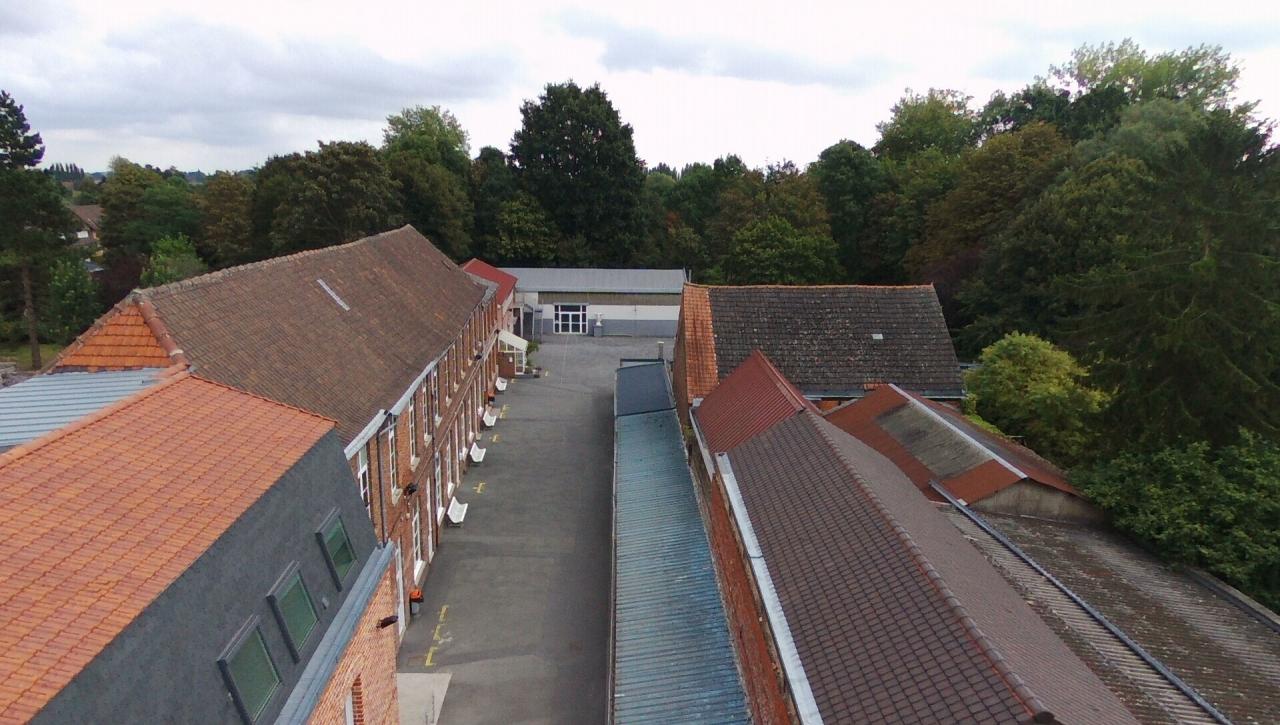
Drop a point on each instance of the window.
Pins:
(337, 548)
(570, 320)
(439, 488)
(392, 467)
(293, 608)
(433, 388)
(250, 674)
(362, 474)
(418, 563)
(413, 432)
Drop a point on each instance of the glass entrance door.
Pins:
(571, 320)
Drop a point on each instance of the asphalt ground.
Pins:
(516, 605)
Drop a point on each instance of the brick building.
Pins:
(156, 570)
(851, 597)
(385, 335)
(834, 342)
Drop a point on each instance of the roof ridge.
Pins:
(273, 401)
(988, 649)
(785, 386)
(219, 274)
(169, 376)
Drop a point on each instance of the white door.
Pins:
(570, 320)
(400, 618)
(418, 563)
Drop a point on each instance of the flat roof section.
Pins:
(672, 659)
(642, 388)
(45, 403)
(548, 279)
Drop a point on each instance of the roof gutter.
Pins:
(801, 692)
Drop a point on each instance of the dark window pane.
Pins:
(253, 673)
(299, 614)
(339, 547)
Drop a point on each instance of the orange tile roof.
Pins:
(506, 281)
(701, 375)
(122, 339)
(98, 518)
(755, 397)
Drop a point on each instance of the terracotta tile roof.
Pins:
(506, 282)
(98, 518)
(895, 616)
(930, 441)
(698, 340)
(831, 341)
(341, 331)
(121, 339)
(89, 214)
(753, 398)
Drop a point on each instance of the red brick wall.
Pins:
(370, 659)
(765, 681)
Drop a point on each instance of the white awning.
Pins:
(511, 340)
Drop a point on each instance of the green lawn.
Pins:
(22, 353)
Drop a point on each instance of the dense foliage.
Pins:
(1212, 508)
(1024, 384)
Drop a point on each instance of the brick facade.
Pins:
(367, 671)
(763, 678)
(457, 390)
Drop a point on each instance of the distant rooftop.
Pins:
(45, 403)
(577, 279)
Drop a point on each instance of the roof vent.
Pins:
(874, 335)
(334, 295)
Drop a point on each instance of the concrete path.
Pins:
(517, 599)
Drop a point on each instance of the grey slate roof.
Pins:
(45, 403)
(547, 279)
(672, 656)
(824, 338)
(642, 388)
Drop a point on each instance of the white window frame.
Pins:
(564, 321)
(393, 467)
(362, 475)
(439, 483)
(418, 562)
(413, 434)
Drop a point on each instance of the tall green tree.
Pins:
(577, 157)
(994, 184)
(272, 183)
(226, 223)
(35, 226)
(849, 177)
(338, 194)
(493, 183)
(427, 153)
(72, 300)
(896, 219)
(1184, 323)
(1203, 75)
(940, 120)
(172, 259)
(773, 251)
(526, 235)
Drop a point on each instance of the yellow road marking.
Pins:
(494, 438)
(443, 610)
(479, 487)
(435, 636)
(431, 653)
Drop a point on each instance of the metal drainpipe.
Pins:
(382, 509)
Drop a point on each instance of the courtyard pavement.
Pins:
(516, 608)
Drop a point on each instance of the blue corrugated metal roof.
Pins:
(642, 388)
(44, 403)
(673, 659)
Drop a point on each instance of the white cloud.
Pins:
(224, 85)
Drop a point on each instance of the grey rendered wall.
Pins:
(163, 667)
(630, 328)
(1025, 498)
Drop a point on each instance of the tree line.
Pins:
(1103, 240)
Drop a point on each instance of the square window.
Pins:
(339, 554)
(250, 674)
(292, 605)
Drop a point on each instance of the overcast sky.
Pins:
(225, 84)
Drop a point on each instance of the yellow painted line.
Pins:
(443, 610)
(431, 653)
(435, 636)
(494, 438)
(479, 487)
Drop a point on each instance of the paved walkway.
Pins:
(517, 600)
